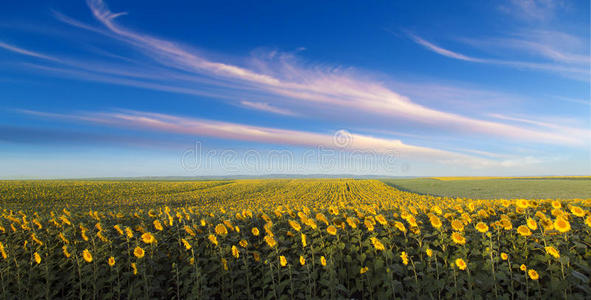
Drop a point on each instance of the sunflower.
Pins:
(213, 239)
(243, 243)
(225, 264)
(111, 261)
(382, 220)
(429, 252)
(457, 225)
(577, 211)
(282, 261)
(458, 238)
(531, 223)
(128, 232)
(255, 231)
(404, 257)
(504, 256)
(377, 244)
(368, 224)
(461, 264)
(533, 274)
(134, 268)
(400, 226)
(351, 222)
(331, 230)
(363, 270)
(522, 203)
(158, 225)
(302, 260)
(435, 221)
(304, 243)
(295, 225)
(235, 252)
(481, 227)
(556, 204)
(148, 238)
(65, 250)
(220, 229)
(86, 255)
(552, 251)
(561, 224)
(523, 230)
(588, 221)
(186, 244)
(138, 252)
(270, 241)
(523, 268)
(37, 257)
(323, 261)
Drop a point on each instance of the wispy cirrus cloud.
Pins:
(575, 66)
(15, 49)
(267, 107)
(533, 10)
(137, 120)
(295, 87)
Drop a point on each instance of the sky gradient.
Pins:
(136, 88)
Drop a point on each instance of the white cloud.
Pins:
(279, 77)
(267, 107)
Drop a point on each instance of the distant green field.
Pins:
(502, 188)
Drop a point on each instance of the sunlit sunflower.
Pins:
(523, 268)
(282, 261)
(111, 261)
(304, 243)
(363, 270)
(138, 252)
(148, 238)
(331, 230)
(323, 261)
(504, 256)
(458, 238)
(481, 227)
(562, 225)
(400, 226)
(382, 220)
(377, 244)
(552, 251)
(457, 225)
(243, 243)
(235, 252)
(213, 239)
(429, 252)
(255, 231)
(158, 225)
(461, 264)
(220, 229)
(533, 274)
(186, 244)
(523, 230)
(577, 211)
(37, 257)
(531, 223)
(86, 255)
(404, 257)
(302, 260)
(295, 225)
(134, 268)
(435, 221)
(270, 241)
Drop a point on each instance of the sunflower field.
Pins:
(285, 239)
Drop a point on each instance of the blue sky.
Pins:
(147, 88)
